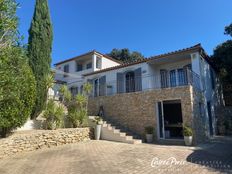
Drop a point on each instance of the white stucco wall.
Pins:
(75, 79)
(202, 68)
(107, 63)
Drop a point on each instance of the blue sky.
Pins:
(151, 27)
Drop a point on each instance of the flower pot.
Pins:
(97, 131)
(149, 138)
(188, 140)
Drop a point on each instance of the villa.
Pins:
(165, 91)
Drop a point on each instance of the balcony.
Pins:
(148, 82)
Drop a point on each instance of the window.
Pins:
(100, 86)
(164, 78)
(66, 70)
(173, 78)
(89, 65)
(96, 87)
(98, 63)
(182, 77)
(79, 67)
(130, 81)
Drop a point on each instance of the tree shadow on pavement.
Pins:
(216, 155)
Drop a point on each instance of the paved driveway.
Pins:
(110, 157)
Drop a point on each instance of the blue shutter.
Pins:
(120, 83)
(138, 79)
(173, 78)
(102, 86)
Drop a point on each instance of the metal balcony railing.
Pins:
(147, 82)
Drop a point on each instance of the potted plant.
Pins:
(149, 134)
(97, 131)
(188, 135)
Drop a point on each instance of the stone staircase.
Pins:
(112, 133)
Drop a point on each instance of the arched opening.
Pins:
(130, 81)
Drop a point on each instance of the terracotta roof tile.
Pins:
(192, 48)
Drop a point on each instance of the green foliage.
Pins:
(81, 100)
(17, 83)
(222, 58)
(49, 80)
(39, 51)
(98, 120)
(87, 88)
(187, 131)
(65, 94)
(54, 115)
(77, 108)
(77, 111)
(149, 130)
(17, 88)
(8, 23)
(77, 115)
(125, 55)
(228, 30)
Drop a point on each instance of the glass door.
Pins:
(160, 120)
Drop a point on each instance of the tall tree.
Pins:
(39, 51)
(228, 30)
(125, 55)
(222, 57)
(17, 83)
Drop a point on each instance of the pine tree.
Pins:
(39, 51)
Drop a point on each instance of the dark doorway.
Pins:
(172, 115)
(210, 118)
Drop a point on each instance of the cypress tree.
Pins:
(39, 51)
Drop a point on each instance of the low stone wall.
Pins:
(34, 140)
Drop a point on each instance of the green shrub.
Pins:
(65, 94)
(149, 130)
(187, 131)
(54, 115)
(77, 112)
(98, 120)
(17, 89)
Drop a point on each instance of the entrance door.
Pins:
(210, 118)
(170, 119)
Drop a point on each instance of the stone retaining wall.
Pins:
(137, 110)
(33, 140)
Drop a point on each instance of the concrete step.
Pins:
(136, 141)
(171, 141)
(113, 133)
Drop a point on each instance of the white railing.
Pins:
(147, 82)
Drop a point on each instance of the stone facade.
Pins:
(200, 122)
(139, 109)
(33, 140)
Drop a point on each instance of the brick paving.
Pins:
(111, 157)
